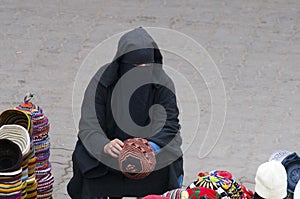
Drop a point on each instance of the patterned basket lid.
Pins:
(137, 159)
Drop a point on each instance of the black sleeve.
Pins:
(92, 128)
(171, 126)
(168, 137)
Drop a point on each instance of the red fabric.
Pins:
(203, 174)
(155, 197)
(197, 192)
(248, 194)
(224, 174)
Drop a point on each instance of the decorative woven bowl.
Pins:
(137, 159)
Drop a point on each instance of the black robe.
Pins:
(97, 174)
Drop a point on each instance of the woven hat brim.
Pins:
(18, 134)
(13, 173)
(15, 116)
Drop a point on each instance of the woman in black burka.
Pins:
(105, 124)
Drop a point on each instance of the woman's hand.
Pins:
(113, 148)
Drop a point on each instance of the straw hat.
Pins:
(18, 134)
(14, 116)
(10, 156)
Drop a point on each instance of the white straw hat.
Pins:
(18, 134)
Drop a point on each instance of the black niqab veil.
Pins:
(140, 100)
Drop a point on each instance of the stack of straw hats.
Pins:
(41, 140)
(10, 170)
(16, 127)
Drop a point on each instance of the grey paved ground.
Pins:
(255, 44)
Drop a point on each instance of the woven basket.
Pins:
(137, 159)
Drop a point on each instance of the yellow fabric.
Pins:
(8, 185)
(12, 189)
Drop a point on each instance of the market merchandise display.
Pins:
(16, 126)
(41, 141)
(10, 170)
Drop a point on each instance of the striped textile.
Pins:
(11, 183)
(41, 145)
(14, 116)
(176, 194)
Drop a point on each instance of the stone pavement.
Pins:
(255, 44)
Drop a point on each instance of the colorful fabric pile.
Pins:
(41, 143)
(16, 126)
(10, 170)
(202, 192)
(221, 181)
(211, 185)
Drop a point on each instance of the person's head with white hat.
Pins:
(271, 181)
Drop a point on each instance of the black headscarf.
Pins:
(140, 100)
